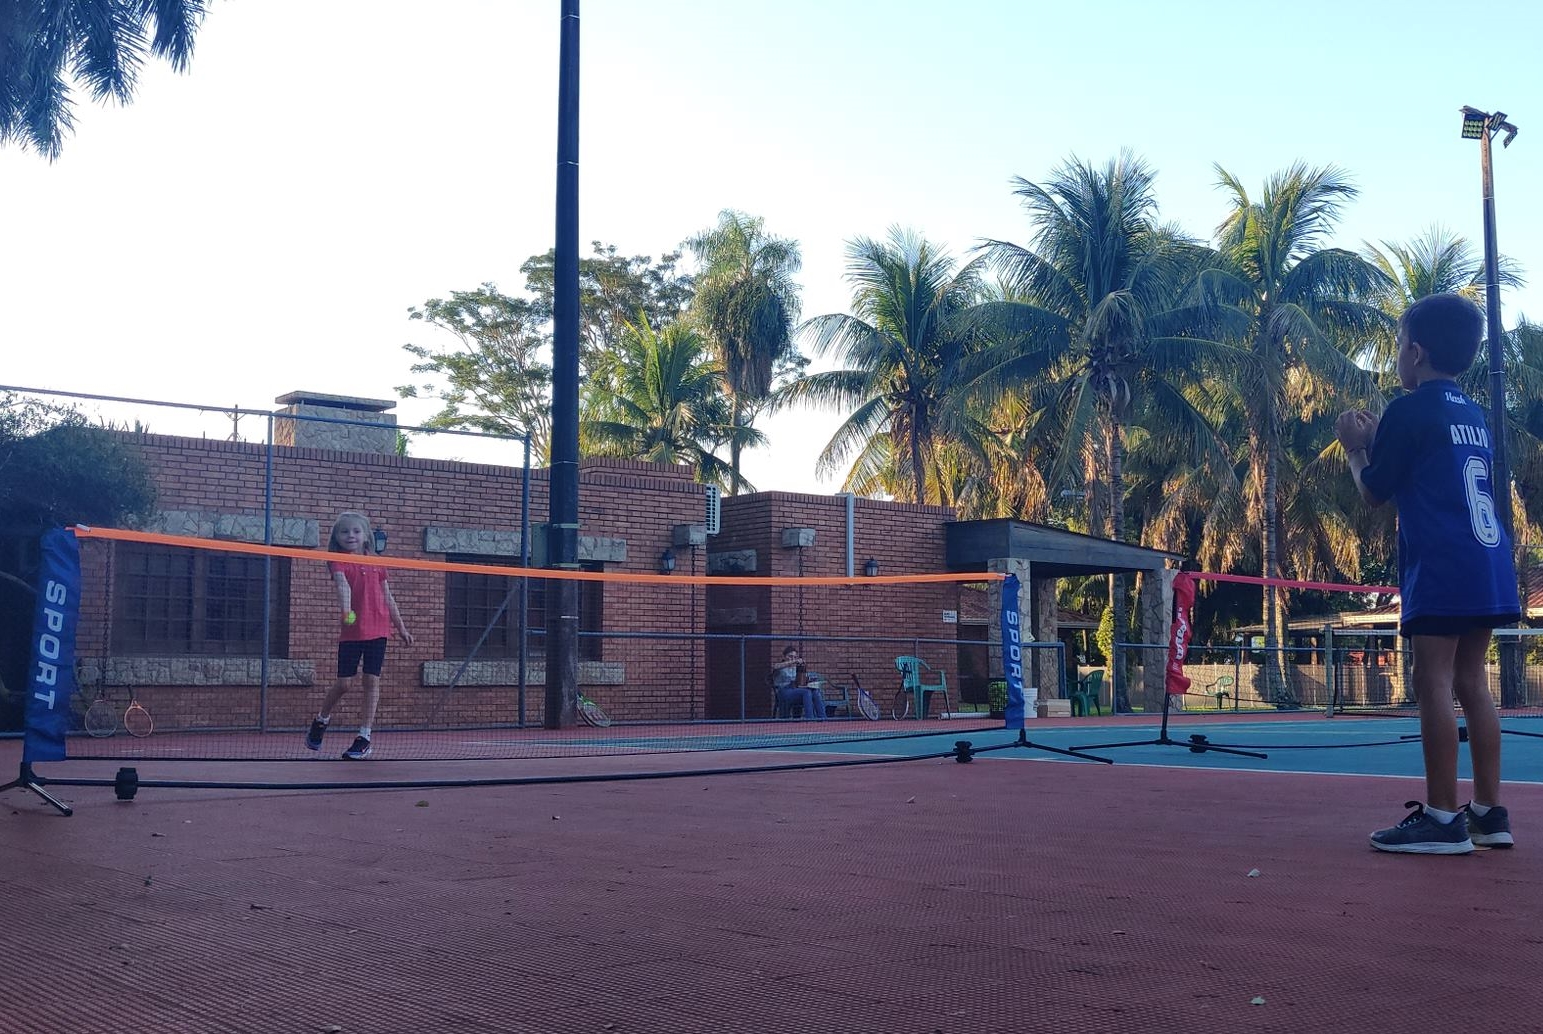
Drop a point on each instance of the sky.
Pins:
(262, 224)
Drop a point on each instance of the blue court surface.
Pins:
(1344, 746)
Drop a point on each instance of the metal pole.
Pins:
(562, 665)
(262, 675)
(1500, 480)
(524, 582)
(1497, 391)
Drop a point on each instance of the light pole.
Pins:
(1483, 126)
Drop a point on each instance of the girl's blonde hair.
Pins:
(350, 517)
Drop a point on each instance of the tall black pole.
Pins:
(1500, 481)
(562, 596)
(1497, 410)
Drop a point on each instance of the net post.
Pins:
(26, 779)
(1329, 684)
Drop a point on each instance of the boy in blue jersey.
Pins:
(1430, 453)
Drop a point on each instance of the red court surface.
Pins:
(922, 896)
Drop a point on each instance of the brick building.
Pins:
(184, 627)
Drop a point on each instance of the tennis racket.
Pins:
(591, 713)
(136, 719)
(866, 705)
(98, 717)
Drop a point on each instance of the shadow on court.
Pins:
(923, 896)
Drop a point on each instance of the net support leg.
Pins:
(27, 780)
(1196, 744)
(964, 751)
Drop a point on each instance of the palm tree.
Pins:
(1092, 331)
(898, 352)
(1309, 308)
(1440, 262)
(662, 400)
(100, 42)
(748, 303)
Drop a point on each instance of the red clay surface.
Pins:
(922, 896)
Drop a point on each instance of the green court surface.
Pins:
(1346, 746)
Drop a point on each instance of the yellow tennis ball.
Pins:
(350, 618)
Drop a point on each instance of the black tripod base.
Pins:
(26, 780)
(1197, 744)
(964, 752)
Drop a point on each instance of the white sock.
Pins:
(325, 719)
(1480, 810)
(364, 730)
(1443, 817)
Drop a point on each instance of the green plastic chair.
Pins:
(1085, 699)
(913, 693)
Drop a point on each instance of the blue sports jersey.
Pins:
(1432, 458)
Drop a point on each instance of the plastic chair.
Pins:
(1221, 689)
(1085, 699)
(913, 692)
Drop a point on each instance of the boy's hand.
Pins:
(1355, 429)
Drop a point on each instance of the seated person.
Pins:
(791, 682)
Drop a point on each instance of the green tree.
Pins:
(101, 43)
(661, 399)
(1092, 329)
(747, 302)
(497, 376)
(56, 469)
(496, 379)
(899, 352)
(1309, 308)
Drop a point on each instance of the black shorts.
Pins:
(1454, 624)
(352, 651)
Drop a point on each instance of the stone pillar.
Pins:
(1047, 663)
(1145, 671)
(1008, 565)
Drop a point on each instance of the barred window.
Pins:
(193, 602)
(472, 600)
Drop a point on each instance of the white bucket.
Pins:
(1031, 701)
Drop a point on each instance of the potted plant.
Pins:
(996, 697)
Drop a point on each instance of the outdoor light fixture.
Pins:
(871, 568)
(1474, 122)
(380, 541)
(667, 562)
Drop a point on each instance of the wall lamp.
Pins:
(667, 562)
(871, 568)
(380, 541)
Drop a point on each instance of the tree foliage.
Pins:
(45, 44)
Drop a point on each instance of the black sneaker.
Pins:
(1421, 834)
(1492, 829)
(361, 750)
(318, 730)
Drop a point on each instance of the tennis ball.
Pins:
(350, 618)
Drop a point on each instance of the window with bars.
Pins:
(193, 602)
(472, 600)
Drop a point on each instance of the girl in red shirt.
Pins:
(367, 615)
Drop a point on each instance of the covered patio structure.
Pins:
(1040, 556)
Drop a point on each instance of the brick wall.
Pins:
(638, 503)
(903, 538)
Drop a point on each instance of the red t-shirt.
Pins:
(367, 595)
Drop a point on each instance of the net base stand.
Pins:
(1196, 744)
(964, 752)
(28, 780)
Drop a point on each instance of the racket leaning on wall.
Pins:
(592, 714)
(136, 719)
(866, 705)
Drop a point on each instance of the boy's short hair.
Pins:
(789, 649)
(1449, 327)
